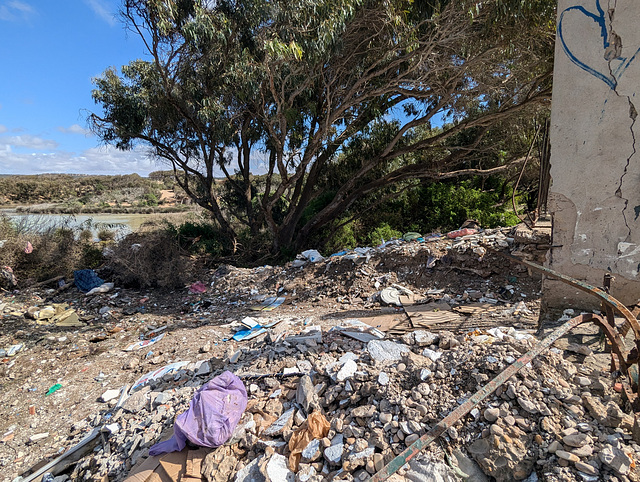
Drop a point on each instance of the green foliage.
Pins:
(305, 82)
(446, 206)
(345, 237)
(200, 237)
(383, 232)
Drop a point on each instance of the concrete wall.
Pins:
(595, 193)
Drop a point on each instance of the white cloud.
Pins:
(3, 128)
(14, 10)
(74, 129)
(28, 141)
(99, 9)
(96, 160)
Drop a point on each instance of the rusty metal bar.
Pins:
(415, 448)
(605, 297)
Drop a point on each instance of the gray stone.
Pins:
(109, 395)
(563, 454)
(285, 421)
(364, 411)
(333, 453)
(616, 459)
(306, 395)
(575, 440)
(203, 368)
(137, 401)
(383, 379)
(527, 405)
(385, 350)
(491, 414)
(250, 472)
(277, 470)
(306, 473)
(312, 452)
(586, 468)
(425, 338)
(347, 371)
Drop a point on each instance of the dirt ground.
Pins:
(87, 361)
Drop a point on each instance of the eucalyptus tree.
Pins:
(296, 81)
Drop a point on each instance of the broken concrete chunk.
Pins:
(385, 350)
(312, 452)
(109, 395)
(285, 421)
(276, 469)
(616, 459)
(333, 453)
(250, 472)
(348, 370)
(306, 394)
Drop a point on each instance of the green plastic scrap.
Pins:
(53, 389)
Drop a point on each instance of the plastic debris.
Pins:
(159, 373)
(86, 280)
(218, 405)
(197, 287)
(14, 349)
(141, 344)
(270, 303)
(53, 389)
(103, 288)
(461, 232)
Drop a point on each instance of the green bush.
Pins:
(383, 232)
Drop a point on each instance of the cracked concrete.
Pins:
(594, 204)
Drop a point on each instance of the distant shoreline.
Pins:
(54, 208)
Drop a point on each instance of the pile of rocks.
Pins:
(554, 420)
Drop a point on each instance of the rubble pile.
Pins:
(379, 397)
(332, 392)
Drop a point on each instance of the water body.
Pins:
(121, 224)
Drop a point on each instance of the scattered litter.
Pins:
(316, 427)
(412, 236)
(391, 296)
(53, 389)
(358, 330)
(255, 329)
(461, 232)
(103, 288)
(143, 343)
(197, 287)
(157, 374)
(86, 279)
(269, 303)
(28, 249)
(14, 349)
(7, 273)
(312, 255)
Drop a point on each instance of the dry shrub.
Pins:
(56, 251)
(147, 260)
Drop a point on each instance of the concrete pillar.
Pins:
(594, 198)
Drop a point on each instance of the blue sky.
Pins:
(49, 52)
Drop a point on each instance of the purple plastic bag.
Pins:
(214, 412)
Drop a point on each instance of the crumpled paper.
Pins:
(316, 426)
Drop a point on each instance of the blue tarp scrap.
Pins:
(86, 279)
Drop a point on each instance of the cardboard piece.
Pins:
(174, 465)
(270, 303)
(474, 308)
(430, 314)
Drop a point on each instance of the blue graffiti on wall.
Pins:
(609, 78)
